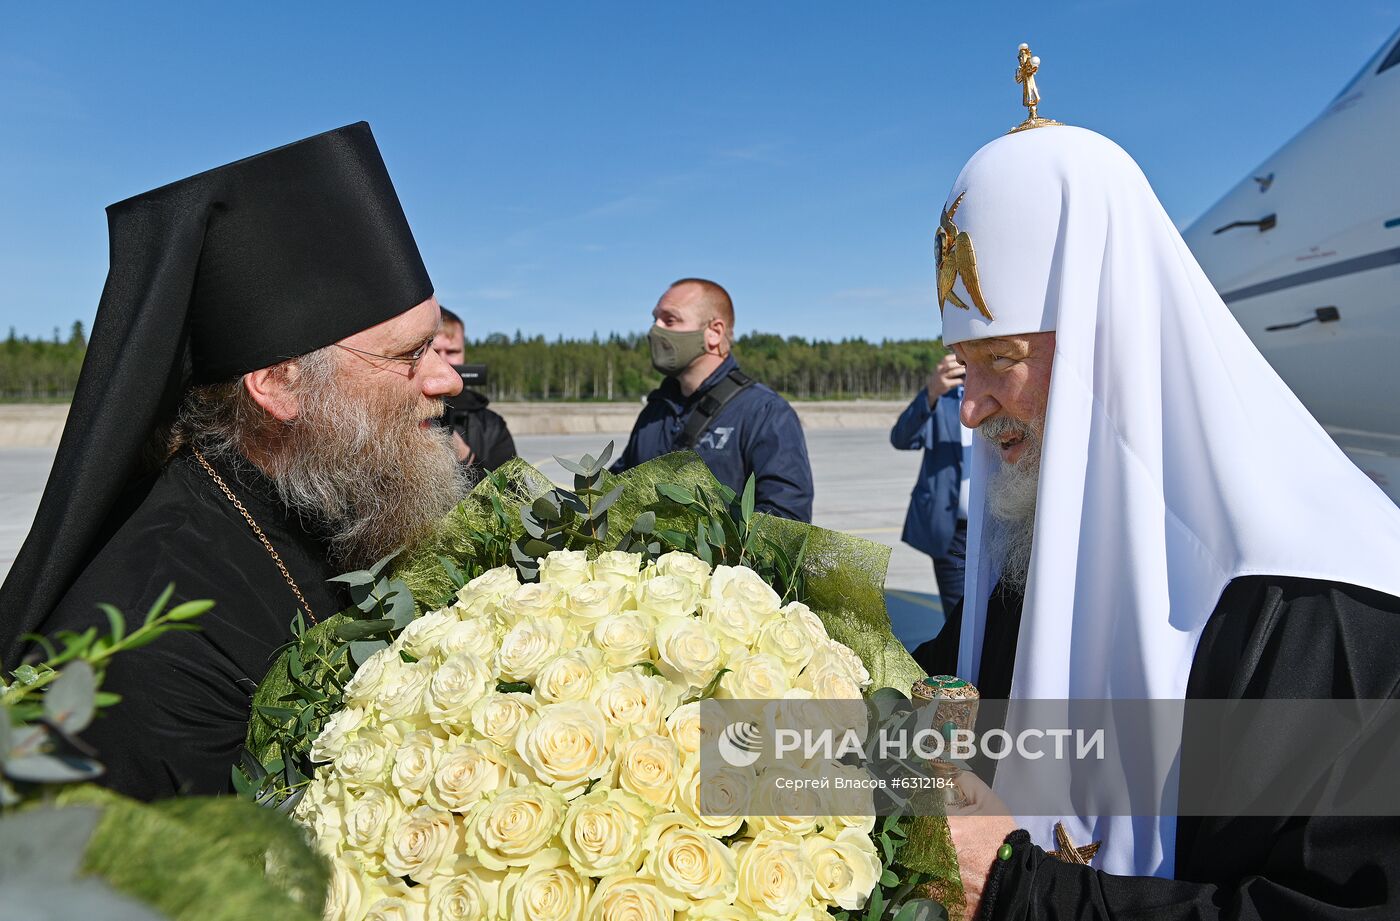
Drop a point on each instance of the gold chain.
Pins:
(219, 481)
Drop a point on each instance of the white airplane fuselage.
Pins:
(1319, 243)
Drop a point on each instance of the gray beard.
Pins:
(360, 468)
(1011, 501)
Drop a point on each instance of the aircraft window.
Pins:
(1390, 59)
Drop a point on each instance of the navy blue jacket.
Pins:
(933, 507)
(756, 433)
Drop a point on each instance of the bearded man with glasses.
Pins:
(262, 382)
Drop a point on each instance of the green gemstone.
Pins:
(1004, 852)
(944, 681)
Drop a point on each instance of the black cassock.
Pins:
(186, 697)
(1269, 637)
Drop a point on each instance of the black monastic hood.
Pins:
(226, 272)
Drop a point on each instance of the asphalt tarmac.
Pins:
(862, 488)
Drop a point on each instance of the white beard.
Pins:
(1011, 500)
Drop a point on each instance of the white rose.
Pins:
(618, 568)
(717, 799)
(510, 829)
(625, 639)
(548, 893)
(364, 684)
(336, 733)
(845, 868)
(566, 745)
(490, 586)
(688, 863)
(604, 830)
(345, 897)
(739, 583)
(590, 601)
(774, 879)
(365, 758)
(756, 677)
(532, 601)
(690, 651)
(468, 896)
(409, 905)
(321, 810)
(686, 729)
(830, 681)
(667, 596)
(787, 639)
(369, 818)
(459, 682)
(636, 702)
(401, 695)
(834, 655)
(499, 716)
(781, 806)
(565, 568)
(808, 619)
(624, 897)
(528, 645)
(650, 767)
(687, 566)
(733, 619)
(414, 764)
(476, 635)
(421, 637)
(467, 773)
(423, 845)
(569, 677)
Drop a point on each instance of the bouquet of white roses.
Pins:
(532, 753)
(528, 747)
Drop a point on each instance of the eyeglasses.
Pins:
(411, 359)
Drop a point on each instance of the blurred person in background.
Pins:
(936, 522)
(479, 436)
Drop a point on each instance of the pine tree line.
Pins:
(534, 368)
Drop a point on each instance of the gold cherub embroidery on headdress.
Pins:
(957, 259)
(1027, 65)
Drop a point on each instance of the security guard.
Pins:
(706, 404)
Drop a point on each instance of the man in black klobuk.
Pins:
(1138, 531)
(260, 381)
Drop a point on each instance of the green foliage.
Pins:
(44, 707)
(41, 370)
(619, 367)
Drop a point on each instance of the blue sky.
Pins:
(561, 163)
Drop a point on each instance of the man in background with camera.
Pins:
(479, 435)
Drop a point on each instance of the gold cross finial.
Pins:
(1027, 65)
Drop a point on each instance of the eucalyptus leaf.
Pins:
(645, 523)
(357, 578)
(379, 565)
(115, 620)
(570, 466)
(921, 910)
(359, 629)
(190, 610)
(677, 494)
(361, 650)
(400, 606)
(69, 702)
(600, 508)
(44, 847)
(52, 768)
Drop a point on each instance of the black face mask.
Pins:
(672, 350)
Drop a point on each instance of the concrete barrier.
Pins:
(25, 425)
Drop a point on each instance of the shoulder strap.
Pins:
(709, 406)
